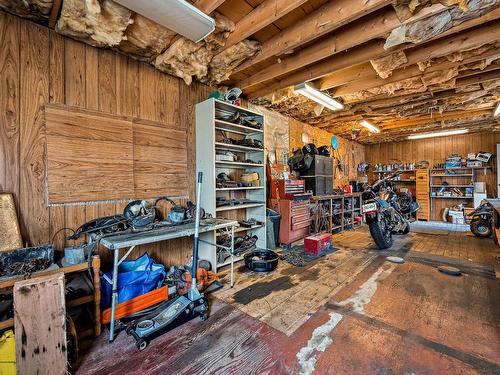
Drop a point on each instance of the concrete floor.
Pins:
(351, 312)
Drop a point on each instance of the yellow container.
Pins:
(7, 353)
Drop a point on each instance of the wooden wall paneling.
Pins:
(172, 113)
(147, 93)
(91, 78)
(34, 93)
(160, 160)
(75, 95)
(90, 156)
(57, 216)
(9, 105)
(186, 117)
(107, 81)
(127, 86)
(75, 74)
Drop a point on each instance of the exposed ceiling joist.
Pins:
(406, 73)
(437, 117)
(491, 73)
(364, 77)
(375, 49)
(364, 30)
(262, 16)
(357, 55)
(208, 6)
(329, 17)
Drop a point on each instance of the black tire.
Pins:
(481, 228)
(381, 236)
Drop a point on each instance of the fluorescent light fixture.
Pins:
(438, 134)
(177, 15)
(369, 126)
(317, 96)
(497, 110)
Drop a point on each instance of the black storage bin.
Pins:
(275, 220)
(322, 165)
(315, 184)
(328, 186)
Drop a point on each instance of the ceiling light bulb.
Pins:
(369, 126)
(318, 97)
(438, 134)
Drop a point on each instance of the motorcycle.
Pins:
(481, 220)
(387, 211)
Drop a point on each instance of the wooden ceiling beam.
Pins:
(436, 117)
(329, 17)
(208, 6)
(262, 16)
(364, 75)
(339, 61)
(364, 53)
(489, 74)
(364, 30)
(404, 74)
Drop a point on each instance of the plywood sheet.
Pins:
(160, 159)
(89, 155)
(10, 235)
(40, 332)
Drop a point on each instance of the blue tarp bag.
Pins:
(135, 277)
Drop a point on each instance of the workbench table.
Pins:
(131, 240)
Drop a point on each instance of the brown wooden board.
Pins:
(89, 156)
(10, 235)
(41, 331)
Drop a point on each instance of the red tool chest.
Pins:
(318, 243)
(295, 219)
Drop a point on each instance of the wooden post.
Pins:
(40, 326)
(96, 266)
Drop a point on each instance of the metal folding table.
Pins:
(131, 240)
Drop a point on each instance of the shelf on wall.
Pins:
(404, 170)
(236, 128)
(240, 188)
(446, 169)
(451, 175)
(211, 120)
(228, 261)
(231, 147)
(239, 164)
(440, 197)
(451, 186)
(239, 207)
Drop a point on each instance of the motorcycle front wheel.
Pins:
(481, 228)
(380, 234)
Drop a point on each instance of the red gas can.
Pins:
(317, 244)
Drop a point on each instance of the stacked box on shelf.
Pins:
(319, 177)
(214, 136)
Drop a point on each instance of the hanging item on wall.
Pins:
(334, 142)
(10, 235)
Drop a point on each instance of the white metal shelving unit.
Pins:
(208, 143)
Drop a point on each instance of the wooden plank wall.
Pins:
(38, 66)
(435, 150)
